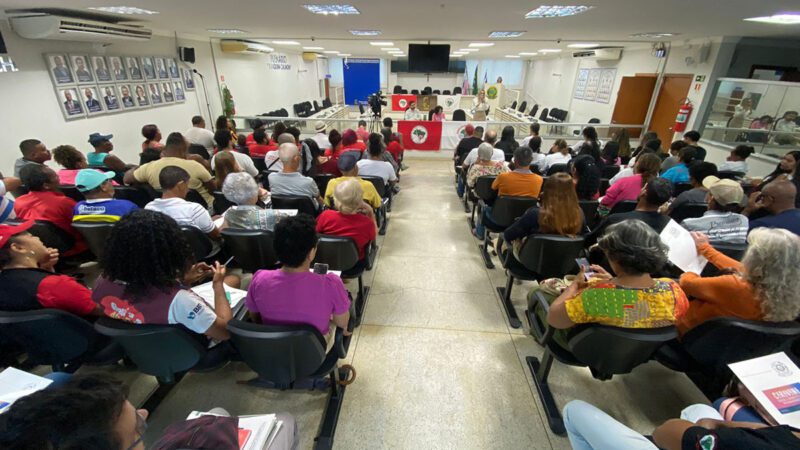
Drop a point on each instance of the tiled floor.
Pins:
(438, 366)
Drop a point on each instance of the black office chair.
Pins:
(322, 180)
(459, 115)
(594, 120)
(523, 106)
(72, 192)
(557, 168)
(680, 188)
(543, 115)
(195, 197)
(221, 204)
(505, 211)
(196, 149)
(481, 192)
(541, 256)
(200, 243)
(735, 251)
(457, 90)
(133, 194)
(609, 171)
(533, 111)
(415, 92)
(316, 107)
(604, 185)
(688, 211)
(58, 339)
(252, 249)
(589, 208)
(426, 90)
(386, 202)
(340, 253)
(623, 207)
(397, 89)
(301, 203)
(95, 234)
(52, 236)
(436, 92)
(263, 178)
(327, 102)
(513, 105)
(361, 109)
(730, 175)
(446, 92)
(404, 91)
(282, 355)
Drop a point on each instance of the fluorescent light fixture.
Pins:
(481, 44)
(382, 44)
(512, 56)
(330, 52)
(332, 10)
(528, 53)
(456, 56)
(286, 42)
(583, 45)
(313, 48)
(123, 10)
(365, 32)
(506, 34)
(391, 49)
(345, 54)
(468, 50)
(225, 31)
(550, 50)
(556, 11)
(653, 35)
(777, 19)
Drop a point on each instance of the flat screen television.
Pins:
(426, 58)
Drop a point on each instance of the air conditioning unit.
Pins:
(309, 56)
(75, 29)
(239, 46)
(600, 54)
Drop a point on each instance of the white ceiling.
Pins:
(457, 22)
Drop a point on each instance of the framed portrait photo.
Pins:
(133, 68)
(58, 66)
(117, 67)
(70, 101)
(140, 96)
(161, 68)
(91, 100)
(81, 68)
(100, 68)
(110, 98)
(154, 94)
(188, 78)
(127, 96)
(179, 91)
(148, 68)
(172, 68)
(167, 93)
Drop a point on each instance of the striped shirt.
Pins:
(720, 227)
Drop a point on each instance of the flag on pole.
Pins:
(485, 78)
(465, 83)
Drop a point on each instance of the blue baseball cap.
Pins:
(347, 161)
(88, 179)
(96, 138)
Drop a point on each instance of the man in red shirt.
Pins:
(45, 202)
(260, 144)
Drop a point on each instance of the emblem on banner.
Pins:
(461, 132)
(419, 134)
(402, 103)
(450, 102)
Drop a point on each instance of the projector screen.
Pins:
(424, 58)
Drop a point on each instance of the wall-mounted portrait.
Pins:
(154, 94)
(110, 98)
(141, 96)
(134, 71)
(166, 92)
(180, 95)
(148, 68)
(118, 70)
(59, 69)
(80, 66)
(188, 79)
(101, 71)
(70, 102)
(161, 68)
(126, 96)
(172, 68)
(90, 100)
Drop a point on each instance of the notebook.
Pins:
(774, 383)
(15, 384)
(206, 291)
(256, 432)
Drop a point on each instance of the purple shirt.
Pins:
(283, 298)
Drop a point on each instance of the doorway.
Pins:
(674, 91)
(633, 98)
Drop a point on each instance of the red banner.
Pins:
(401, 102)
(420, 135)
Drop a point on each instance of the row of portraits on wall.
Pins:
(88, 86)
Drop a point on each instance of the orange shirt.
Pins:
(722, 296)
(517, 184)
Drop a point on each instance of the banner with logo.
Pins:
(420, 135)
(449, 103)
(400, 102)
(453, 132)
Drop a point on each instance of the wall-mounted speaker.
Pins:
(186, 54)
(3, 49)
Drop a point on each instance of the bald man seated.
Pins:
(289, 181)
(777, 198)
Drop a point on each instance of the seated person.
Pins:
(777, 199)
(629, 188)
(761, 287)
(473, 137)
(72, 162)
(490, 138)
(350, 141)
(586, 175)
(7, 184)
(46, 202)
(34, 152)
(28, 280)
(654, 194)
(224, 166)
(261, 144)
(145, 274)
(175, 184)
(679, 173)
(353, 218)
(394, 143)
(241, 189)
(484, 165)
(630, 299)
(101, 156)
(559, 154)
(100, 204)
(294, 294)
(697, 194)
(349, 168)
(700, 427)
(737, 160)
(650, 146)
(272, 160)
(174, 154)
(721, 223)
(375, 165)
(674, 152)
(225, 145)
(289, 181)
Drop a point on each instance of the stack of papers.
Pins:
(15, 384)
(682, 250)
(255, 432)
(774, 382)
(235, 296)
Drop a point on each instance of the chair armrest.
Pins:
(542, 333)
(372, 250)
(339, 344)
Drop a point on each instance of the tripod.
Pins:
(375, 122)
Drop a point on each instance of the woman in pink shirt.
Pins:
(628, 188)
(438, 114)
(72, 160)
(152, 137)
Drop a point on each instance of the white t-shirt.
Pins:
(322, 141)
(413, 114)
(472, 157)
(728, 166)
(624, 173)
(6, 205)
(556, 158)
(191, 311)
(244, 162)
(273, 157)
(201, 136)
(526, 141)
(371, 168)
(185, 213)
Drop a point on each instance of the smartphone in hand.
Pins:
(320, 269)
(583, 263)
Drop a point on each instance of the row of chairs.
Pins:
(427, 91)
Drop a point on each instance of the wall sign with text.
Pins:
(278, 61)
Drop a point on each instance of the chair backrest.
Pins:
(221, 204)
(544, 113)
(52, 236)
(259, 163)
(446, 92)
(457, 90)
(95, 234)
(688, 210)
(322, 180)
(339, 253)
(550, 255)
(623, 207)
(730, 175)
(611, 350)
(436, 91)
(507, 209)
(49, 336)
(557, 168)
(316, 106)
(680, 188)
(426, 90)
(280, 354)
(252, 249)
(158, 350)
(379, 184)
(133, 194)
(415, 91)
(197, 149)
(589, 208)
(483, 187)
(735, 251)
(301, 203)
(459, 115)
(397, 89)
(72, 192)
(514, 104)
(534, 109)
(523, 106)
(198, 241)
(609, 171)
(361, 108)
(594, 120)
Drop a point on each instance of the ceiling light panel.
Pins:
(225, 31)
(512, 56)
(332, 10)
(550, 50)
(331, 52)
(365, 32)
(506, 34)
(653, 35)
(481, 44)
(468, 50)
(528, 53)
(313, 48)
(777, 19)
(382, 44)
(391, 49)
(544, 12)
(286, 42)
(583, 45)
(123, 10)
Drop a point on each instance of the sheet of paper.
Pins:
(15, 384)
(774, 381)
(218, 221)
(262, 428)
(235, 296)
(285, 212)
(682, 251)
(338, 273)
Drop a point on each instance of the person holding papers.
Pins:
(761, 287)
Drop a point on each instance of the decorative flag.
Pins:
(465, 83)
(400, 102)
(453, 132)
(420, 135)
(449, 103)
(475, 82)
(485, 78)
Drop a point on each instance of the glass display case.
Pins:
(760, 113)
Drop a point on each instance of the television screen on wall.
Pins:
(425, 58)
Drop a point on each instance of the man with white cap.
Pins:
(321, 137)
(722, 223)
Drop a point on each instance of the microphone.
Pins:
(195, 71)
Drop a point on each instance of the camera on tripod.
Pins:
(375, 102)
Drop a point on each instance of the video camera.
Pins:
(375, 102)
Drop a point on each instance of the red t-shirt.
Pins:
(54, 207)
(356, 226)
(259, 150)
(250, 140)
(360, 146)
(396, 149)
(29, 289)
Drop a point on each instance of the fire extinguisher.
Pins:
(683, 116)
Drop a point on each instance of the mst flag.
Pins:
(453, 132)
(449, 103)
(401, 102)
(420, 135)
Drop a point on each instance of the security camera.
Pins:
(313, 39)
(558, 41)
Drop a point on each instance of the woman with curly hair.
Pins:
(586, 174)
(761, 287)
(146, 274)
(152, 137)
(72, 162)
